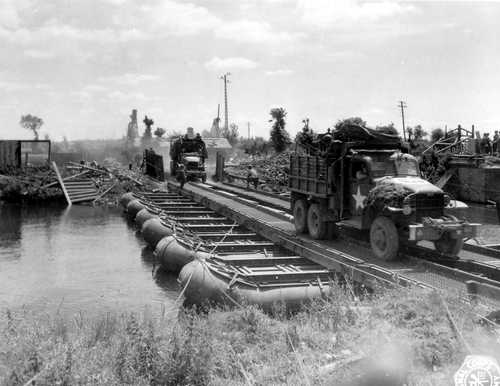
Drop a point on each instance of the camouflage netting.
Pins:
(387, 194)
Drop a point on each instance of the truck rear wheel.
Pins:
(300, 216)
(384, 238)
(318, 227)
(448, 245)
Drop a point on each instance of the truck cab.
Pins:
(374, 189)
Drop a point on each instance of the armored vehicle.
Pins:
(364, 179)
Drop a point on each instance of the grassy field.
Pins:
(400, 337)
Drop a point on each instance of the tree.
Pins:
(436, 134)
(159, 132)
(147, 136)
(231, 134)
(350, 121)
(419, 132)
(280, 139)
(416, 133)
(31, 122)
(254, 146)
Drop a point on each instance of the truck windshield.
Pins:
(406, 167)
(394, 165)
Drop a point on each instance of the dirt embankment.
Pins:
(28, 185)
(40, 184)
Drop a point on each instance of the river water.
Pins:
(77, 259)
(92, 260)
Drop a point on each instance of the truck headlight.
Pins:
(447, 200)
(408, 204)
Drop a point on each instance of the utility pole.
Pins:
(226, 81)
(402, 105)
(217, 134)
(248, 125)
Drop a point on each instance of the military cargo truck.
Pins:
(363, 179)
(190, 152)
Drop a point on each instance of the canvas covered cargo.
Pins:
(355, 133)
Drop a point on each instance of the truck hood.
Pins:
(414, 184)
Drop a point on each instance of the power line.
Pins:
(226, 118)
(402, 105)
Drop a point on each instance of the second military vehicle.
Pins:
(190, 152)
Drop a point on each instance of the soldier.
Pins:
(181, 175)
(252, 177)
(496, 140)
(484, 144)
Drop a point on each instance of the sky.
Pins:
(83, 65)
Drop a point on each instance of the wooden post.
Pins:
(54, 166)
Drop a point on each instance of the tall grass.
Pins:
(399, 337)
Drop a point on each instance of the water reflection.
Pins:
(167, 281)
(10, 231)
(87, 258)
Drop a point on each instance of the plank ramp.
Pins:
(77, 190)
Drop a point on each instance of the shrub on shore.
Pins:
(401, 336)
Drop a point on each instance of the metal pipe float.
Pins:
(153, 230)
(173, 254)
(144, 215)
(133, 207)
(205, 284)
(126, 198)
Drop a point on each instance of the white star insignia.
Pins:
(359, 198)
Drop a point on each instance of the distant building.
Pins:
(215, 145)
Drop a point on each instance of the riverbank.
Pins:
(28, 185)
(39, 184)
(396, 338)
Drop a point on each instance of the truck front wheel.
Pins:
(318, 227)
(300, 216)
(448, 245)
(384, 238)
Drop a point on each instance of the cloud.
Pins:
(280, 72)
(130, 78)
(125, 23)
(167, 18)
(233, 63)
(38, 54)
(327, 13)
(95, 88)
(247, 31)
(127, 96)
(13, 85)
(10, 13)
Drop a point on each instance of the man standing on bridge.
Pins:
(181, 175)
(252, 177)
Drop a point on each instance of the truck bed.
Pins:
(308, 175)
